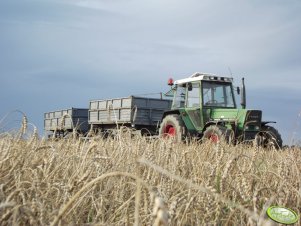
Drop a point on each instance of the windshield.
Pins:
(218, 94)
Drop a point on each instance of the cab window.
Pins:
(193, 96)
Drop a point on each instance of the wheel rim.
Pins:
(170, 131)
(214, 138)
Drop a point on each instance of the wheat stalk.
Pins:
(107, 181)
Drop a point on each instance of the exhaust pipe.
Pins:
(243, 94)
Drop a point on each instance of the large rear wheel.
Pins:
(172, 126)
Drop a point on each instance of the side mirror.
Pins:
(189, 86)
(238, 90)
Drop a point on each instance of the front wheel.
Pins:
(216, 133)
(172, 126)
(269, 138)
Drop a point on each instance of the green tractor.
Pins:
(204, 107)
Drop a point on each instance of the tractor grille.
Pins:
(254, 117)
(252, 124)
(253, 121)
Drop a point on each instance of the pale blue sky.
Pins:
(58, 54)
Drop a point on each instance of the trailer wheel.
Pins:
(269, 138)
(216, 133)
(172, 126)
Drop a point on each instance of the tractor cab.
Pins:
(204, 90)
(197, 96)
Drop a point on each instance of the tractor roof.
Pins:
(198, 76)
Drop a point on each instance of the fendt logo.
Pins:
(282, 215)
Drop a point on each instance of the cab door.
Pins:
(193, 105)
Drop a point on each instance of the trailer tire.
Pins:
(172, 126)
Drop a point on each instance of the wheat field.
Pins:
(133, 180)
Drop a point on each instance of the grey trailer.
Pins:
(62, 122)
(133, 111)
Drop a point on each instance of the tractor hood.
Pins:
(240, 116)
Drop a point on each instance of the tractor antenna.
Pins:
(237, 88)
(230, 71)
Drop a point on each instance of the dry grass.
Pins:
(135, 181)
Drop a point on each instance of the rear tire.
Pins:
(172, 126)
(270, 138)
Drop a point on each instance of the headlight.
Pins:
(252, 127)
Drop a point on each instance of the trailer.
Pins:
(141, 113)
(61, 122)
